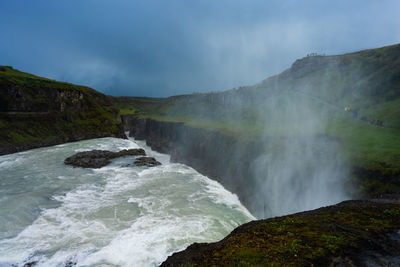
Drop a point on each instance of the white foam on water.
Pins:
(117, 216)
(219, 194)
(7, 162)
(112, 144)
(163, 158)
(149, 240)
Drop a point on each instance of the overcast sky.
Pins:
(169, 47)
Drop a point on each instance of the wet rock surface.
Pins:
(147, 161)
(100, 158)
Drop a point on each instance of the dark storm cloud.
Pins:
(161, 48)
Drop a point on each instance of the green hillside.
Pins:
(36, 111)
(309, 99)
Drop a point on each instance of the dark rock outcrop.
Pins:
(147, 161)
(352, 233)
(99, 158)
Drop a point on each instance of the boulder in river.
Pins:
(146, 161)
(100, 158)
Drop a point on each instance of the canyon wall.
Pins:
(240, 165)
(220, 157)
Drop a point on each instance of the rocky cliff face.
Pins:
(36, 112)
(232, 162)
(235, 163)
(217, 156)
(353, 233)
(22, 100)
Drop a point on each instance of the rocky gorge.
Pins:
(211, 153)
(227, 159)
(351, 233)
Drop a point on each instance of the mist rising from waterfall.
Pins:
(295, 164)
(301, 167)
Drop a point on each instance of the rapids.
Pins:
(56, 215)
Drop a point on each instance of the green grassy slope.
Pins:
(36, 111)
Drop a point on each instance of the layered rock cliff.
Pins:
(36, 112)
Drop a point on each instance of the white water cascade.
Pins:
(56, 215)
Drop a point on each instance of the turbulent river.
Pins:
(56, 215)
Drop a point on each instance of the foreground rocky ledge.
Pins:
(352, 233)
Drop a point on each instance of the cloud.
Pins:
(162, 48)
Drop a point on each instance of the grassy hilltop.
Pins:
(36, 111)
(308, 99)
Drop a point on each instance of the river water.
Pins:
(56, 215)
